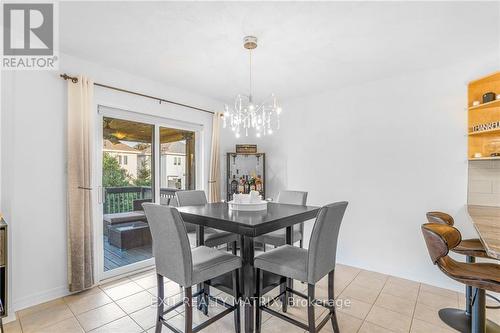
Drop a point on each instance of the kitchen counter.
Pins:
(486, 220)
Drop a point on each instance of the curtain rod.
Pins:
(75, 80)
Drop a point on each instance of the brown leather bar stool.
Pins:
(471, 249)
(440, 239)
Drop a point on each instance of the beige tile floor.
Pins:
(378, 303)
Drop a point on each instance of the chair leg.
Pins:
(236, 294)
(235, 248)
(188, 310)
(468, 290)
(284, 298)
(331, 300)
(205, 299)
(301, 243)
(258, 313)
(159, 299)
(478, 318)
(310, 308)
(468, 300)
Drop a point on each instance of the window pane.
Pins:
(177, 162)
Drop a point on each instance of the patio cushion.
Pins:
(115, 218)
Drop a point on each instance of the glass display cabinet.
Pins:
(245, 172)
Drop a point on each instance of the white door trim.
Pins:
(120, 113)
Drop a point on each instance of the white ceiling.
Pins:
(303, 47)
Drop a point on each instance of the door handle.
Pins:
(101, 197)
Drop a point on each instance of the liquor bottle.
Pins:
(252, 184)
(234, 185)
(247, 185)
(258, 184)
(241, 185)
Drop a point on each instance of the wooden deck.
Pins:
(114, 257)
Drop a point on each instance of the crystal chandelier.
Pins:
(246, 115)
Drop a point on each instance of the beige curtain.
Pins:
(214, 181)
(80, 228)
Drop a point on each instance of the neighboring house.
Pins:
(127, 156)
(172, 164)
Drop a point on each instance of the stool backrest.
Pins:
(323, 243)
(191, 198)
(440, 218)
(292, 197)
(440, 238)
(171, 247)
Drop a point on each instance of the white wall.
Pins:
(33, 136)
(393, 148)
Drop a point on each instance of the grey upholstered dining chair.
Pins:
(175, 260)
(278, 237)
(213, 237)
(305, 265)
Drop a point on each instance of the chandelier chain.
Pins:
(250, 60)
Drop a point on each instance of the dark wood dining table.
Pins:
(247, 224)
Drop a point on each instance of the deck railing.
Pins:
(121, 199)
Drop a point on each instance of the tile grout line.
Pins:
(364, 320)
(128, 314)
(112, 302)
(347, 285)
(415, 306)
(354, 278)
(21, 325)
(74, 315)
(425, 319)
(52, 324)
(398, 297)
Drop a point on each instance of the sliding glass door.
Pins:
(141, 160)
(127, 182)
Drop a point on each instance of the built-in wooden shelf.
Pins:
(484, 158)
(492, 104)
(485, 131)
(483, 142)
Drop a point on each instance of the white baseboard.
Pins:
(9, 318)
(38, 298)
